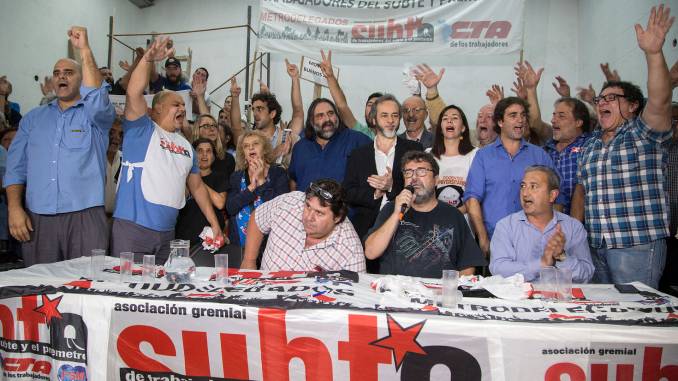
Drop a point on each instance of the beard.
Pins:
(325, 134)
(424, 195)
(386, 133)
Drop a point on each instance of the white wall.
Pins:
(568, 37)
(34, 38)
(612, 39)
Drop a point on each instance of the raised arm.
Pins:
(335, 90)
(135, 105)
(610, 75)
(297, 122)
(124, 81)
(198, 88)
(91, 77)
(657, 112)
(434, 103)
(236, 123)
(530, 79)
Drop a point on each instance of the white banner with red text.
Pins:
(391, 27)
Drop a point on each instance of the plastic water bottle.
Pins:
(179, 267)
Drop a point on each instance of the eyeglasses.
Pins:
(415, 110)
(259, 108)
(608, 98)
(421, 172)
(208, 126)
(319, 191)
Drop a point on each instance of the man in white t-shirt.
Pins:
(158, 164)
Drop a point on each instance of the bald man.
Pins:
(414, 115)
(59, 158)
(485, 127)
(158, 164)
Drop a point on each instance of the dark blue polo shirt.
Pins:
(312, 162)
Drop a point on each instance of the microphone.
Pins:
(404, 206)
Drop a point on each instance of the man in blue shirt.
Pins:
(538, 236)
(59, 157)
(158, 164)
(324, 150)
(493, 183)
(171, 80)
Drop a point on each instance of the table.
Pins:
(318, 326)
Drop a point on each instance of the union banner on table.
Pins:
(391, 27)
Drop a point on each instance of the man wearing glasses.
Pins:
(306, 231)
(414, 115)
(621, 177)
(417, 235)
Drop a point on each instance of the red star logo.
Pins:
(50, 308)
(401, 341)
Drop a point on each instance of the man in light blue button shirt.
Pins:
(59, 158)
(538, 236)
(493, 182)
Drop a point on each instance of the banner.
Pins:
(228, 342)
(289, 325)
(391, 27)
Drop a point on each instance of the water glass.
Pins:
(221, 267)
(450, 285)
(126, 266)
(97, 263)
(148, 269)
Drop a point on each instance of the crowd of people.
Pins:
(594, 191)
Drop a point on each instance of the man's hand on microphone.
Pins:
(404, 198)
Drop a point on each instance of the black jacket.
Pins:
(359, 194)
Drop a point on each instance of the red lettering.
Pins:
(358, 30)
(129, 349)
(43, 367)
(652, 367)
(196, 354)
(276, 351)
(393, 27)
(413, 24)
(458, 29)
(30, 318)
(234, 356)
(17, 365)
(574, 372)
(7, 321)
(363, 358)
(498, 29)
(478, 27)
(599, 372)
(474, 29)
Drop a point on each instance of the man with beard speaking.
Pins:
(325, 147)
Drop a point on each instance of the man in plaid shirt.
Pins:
(306, 231)
(621, 167)
(571, 122)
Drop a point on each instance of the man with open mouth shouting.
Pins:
(59, 157)
(621, 177)
(158, 165)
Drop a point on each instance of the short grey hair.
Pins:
(382, 99)
(551, 175)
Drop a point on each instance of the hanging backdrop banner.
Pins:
(391, 27)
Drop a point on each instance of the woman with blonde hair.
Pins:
(257, 179)
(206, 127)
